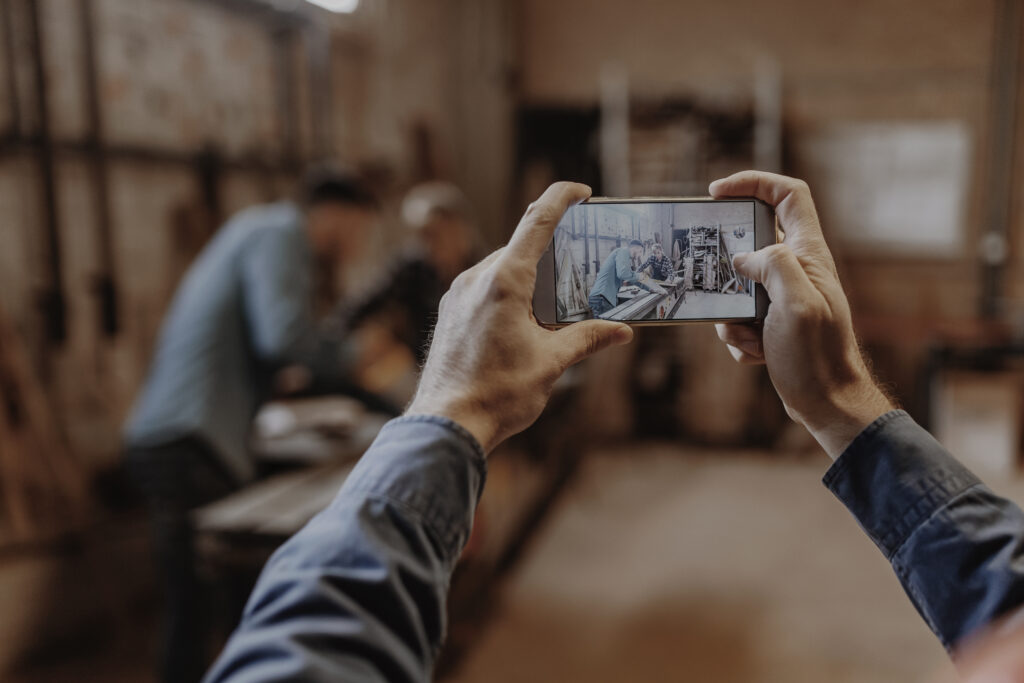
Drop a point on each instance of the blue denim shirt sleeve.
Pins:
(360, 592)
(957, 548)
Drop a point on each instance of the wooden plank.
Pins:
(235, 511)
(317, 496)
(280, 505)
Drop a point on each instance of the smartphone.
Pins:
(653, 261)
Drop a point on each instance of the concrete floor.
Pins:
(664, 564)
(661, 565)
(700, 304)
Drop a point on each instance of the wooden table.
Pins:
(236, 535)
(242, 530)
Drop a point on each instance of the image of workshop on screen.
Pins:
(653, 261)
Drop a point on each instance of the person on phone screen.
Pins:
(616, 271)
(658, 265)
(360, 592)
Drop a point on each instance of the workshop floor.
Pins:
(664, 566)
(714, 305)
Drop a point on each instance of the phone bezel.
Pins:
(544, 306)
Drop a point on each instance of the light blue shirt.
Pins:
(616, 269)
(243, 309)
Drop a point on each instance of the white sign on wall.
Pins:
(892, 187)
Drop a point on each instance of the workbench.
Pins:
(635, 303)
(236, 535)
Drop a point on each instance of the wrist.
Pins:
(844, 413)
(480, 426)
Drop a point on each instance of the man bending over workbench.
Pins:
(359, 593)
(617, 270)
(243, 311)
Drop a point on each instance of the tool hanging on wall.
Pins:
(53, 297)
(104, 282)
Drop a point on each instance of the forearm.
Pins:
(360, 592)
(957, 548)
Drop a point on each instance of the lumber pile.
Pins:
(571, 286)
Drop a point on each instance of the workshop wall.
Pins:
(204, 109)
(924, 62)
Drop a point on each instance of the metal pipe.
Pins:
(586, 244)
(52, 299)
(1005, 75)
(7, 30)
(318, 43)
(105, 284)
(134, 153)
(285, 92)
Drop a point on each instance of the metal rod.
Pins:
(105, 284)
(586, 244)
(284, 85)
(209, 169)
(7, 29)
(135, 153)
(318, 44)
(52, 299)
(1005, 75)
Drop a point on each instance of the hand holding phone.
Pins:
(490, 367)
(807, 339)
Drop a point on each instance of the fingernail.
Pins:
(623, 335)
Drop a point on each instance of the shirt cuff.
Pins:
(430, 467)
(893, 477)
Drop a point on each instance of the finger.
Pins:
(790, 197)
(777, 268)
(744, 358)
(746, 338)
(579, 340)
(534, 231)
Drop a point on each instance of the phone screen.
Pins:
(653, 260)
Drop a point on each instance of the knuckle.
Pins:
(806, 314)
(443, 304)
(460, 282)
(542, 212)
(551, 373)
(777, 254)
(591, 342)
(500, 285)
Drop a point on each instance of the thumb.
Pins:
(579, 340)
(777, 268)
